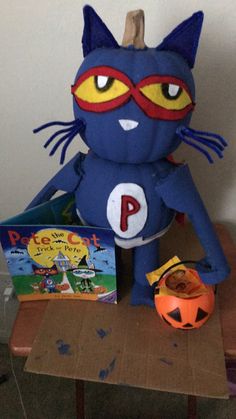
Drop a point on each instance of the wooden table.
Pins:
(30, 315)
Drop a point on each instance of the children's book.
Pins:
(51, 255)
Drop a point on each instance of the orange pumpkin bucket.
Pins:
(182, 300)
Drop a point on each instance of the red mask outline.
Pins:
(148, 107)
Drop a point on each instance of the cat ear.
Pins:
(96, 34)
(184, 38)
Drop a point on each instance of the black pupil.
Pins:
(165, 92)
(107, 86)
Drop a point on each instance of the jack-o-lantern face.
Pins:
(185, 313)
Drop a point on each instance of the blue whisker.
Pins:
(210, 140)
(197, 147)
(56, 135)
(217, 148)
(53, 123)
(209, 134)
(72, 129)
(61, 140)
(64, 149)
(203, 139)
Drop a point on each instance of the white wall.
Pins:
(39, 55)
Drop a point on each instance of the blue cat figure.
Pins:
(132, 108)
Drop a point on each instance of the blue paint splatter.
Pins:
(103, 374)
(63, 348)
(166, 361)
(103, 333)
(112, 365)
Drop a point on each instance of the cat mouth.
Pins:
(128, 124)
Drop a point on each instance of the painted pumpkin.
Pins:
(132, 107)
(184, 313)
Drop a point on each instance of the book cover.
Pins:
(51, 255)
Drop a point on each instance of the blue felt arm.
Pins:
(179, 192)
(67, 180)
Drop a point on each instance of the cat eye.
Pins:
(103, 83)
(167, 95)
(171, 91)
(101, 89)
(99, 86)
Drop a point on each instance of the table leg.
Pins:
(79, 388)
(192, 407)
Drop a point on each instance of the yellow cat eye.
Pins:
(167, 95)
(100, 88)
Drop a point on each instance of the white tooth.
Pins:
(128, 124)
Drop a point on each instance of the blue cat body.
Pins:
(126, 181)
(102, 176)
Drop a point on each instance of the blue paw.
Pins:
(212, 276)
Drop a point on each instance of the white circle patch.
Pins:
(127, 209)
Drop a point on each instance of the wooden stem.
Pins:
(134, 30)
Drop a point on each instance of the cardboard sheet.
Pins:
(128, 345)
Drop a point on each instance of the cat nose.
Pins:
(128, 124)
